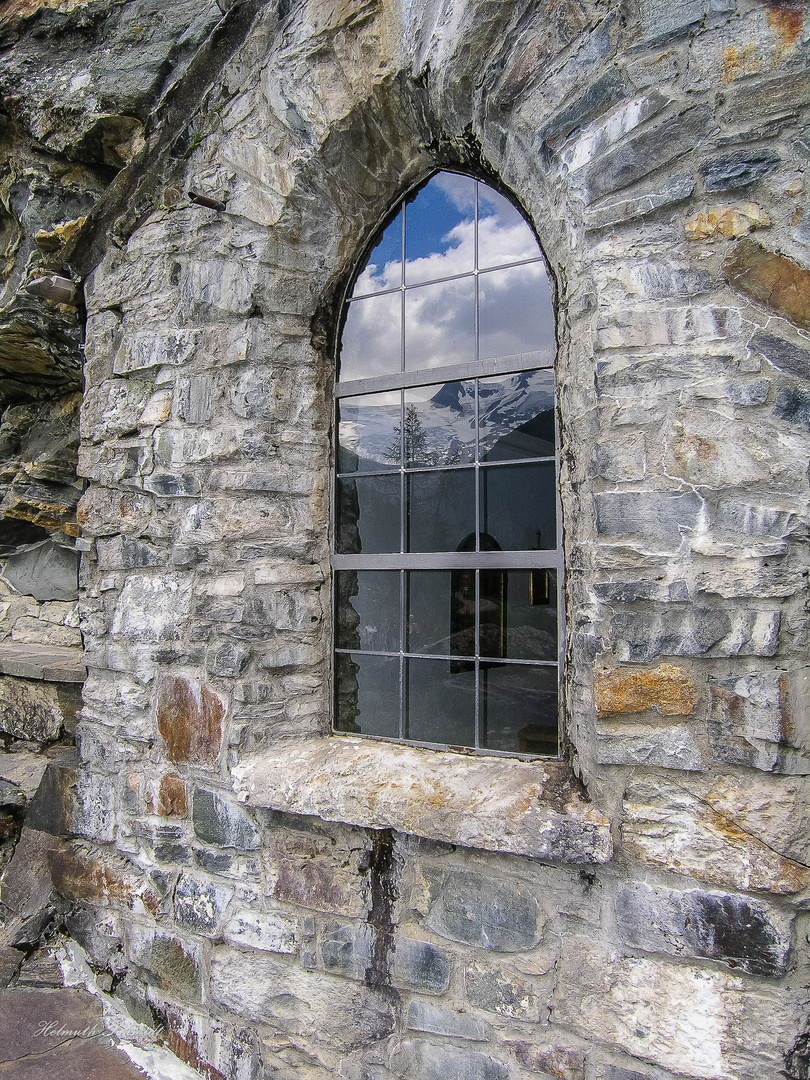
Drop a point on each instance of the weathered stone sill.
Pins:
(49, 663)
(525, 808)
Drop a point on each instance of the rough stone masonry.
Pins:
(269, 900)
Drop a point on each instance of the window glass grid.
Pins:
(488, 711)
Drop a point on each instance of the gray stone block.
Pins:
(737, 170)
(662, 21)
(222, 822)
(227, 661)
(783, 354)
(46, 571)
(420, 966)
(648, 151)
(667, 193)
(606, 91)
(486, 913)
(199, 905)
(420, 1060)
(642, 636)
(793, 405)
(499, 990)
(437, 1020)
(733, 929)
(661, 516)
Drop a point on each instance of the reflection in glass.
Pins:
(367, 694)
(530, 616)
(372, 338)
(503, 235)
(368, 515)
(518, 704)
(440, 702)
(368, 432)
(384, 267)
(440, 509)
(440, 229)
(516, 416)
(441, 612)
(440, 424)
(440, 324)
(367, 613)
(515, 312)
(518, 506)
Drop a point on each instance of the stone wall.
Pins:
(273, 899)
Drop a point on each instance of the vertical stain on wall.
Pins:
(383, 894)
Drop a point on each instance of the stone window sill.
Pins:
(496, 804)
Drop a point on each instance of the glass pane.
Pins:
(440, 229)
(440, 324)
(503, 234)
(372, 338)
(528, 614)
(441, 612)
(367, 615)
(519, 507)
(367, 694)
(368, 515)
(518, 704)
(441, 701)
(368, 432)
(383, 270)
(516, 416)
(515, 311)
(441, 510)
(440, 424)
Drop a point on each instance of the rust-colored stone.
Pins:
(555, 1061)
(172, 796)
(317, 884)
(77, 876)
(185, 1047)
(725, 222)
(668, 689)
(190, 720)
(786, 21)
(770, 279)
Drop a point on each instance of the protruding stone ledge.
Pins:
(49, 663)
(525, 808)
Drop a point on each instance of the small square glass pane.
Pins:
(440, 229)
(441, 612)
(383, 270)
(516, 416)
(368, 432)
(440, 424)
(367, 613)
(440, 701)
(518, 708)
(515, 311)
(367, 694)
(440, 324)
(503, 234)
(519, 506)
(368, 515)
(519, 614)
(441, 511)
(372, 338)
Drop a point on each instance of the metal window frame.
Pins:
(479, 560)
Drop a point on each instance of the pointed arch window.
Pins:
(447, 537)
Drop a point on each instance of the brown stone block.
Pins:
(770, 279)
(319, 884)
(190, 720)
(555, 1061)
(668, 689)
(172, 796)
(77, 876)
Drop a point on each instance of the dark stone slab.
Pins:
(420, 966)
(221, 822)
(733, 929)
(174, 485)
(486, 913)
(648, 151)
(10, 960)
(606, 91)
(783, 354)
(793, 405)
(665, 20)
(737, 170)
(46, 571)
(35, 1022)
(52, 807)
(80, 1060)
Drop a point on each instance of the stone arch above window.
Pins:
(447, 554)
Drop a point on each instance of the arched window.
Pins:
(447, 552)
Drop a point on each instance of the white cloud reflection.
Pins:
(515, 315)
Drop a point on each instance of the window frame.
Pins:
(541, 359)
